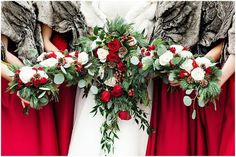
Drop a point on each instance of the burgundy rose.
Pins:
(113, 57)
(121, 66)
(124, 115)
(117, 91)
(105, 96)
(114, 45)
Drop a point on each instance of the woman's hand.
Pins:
(47, 33)
(174, 83)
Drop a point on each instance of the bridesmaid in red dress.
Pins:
(62, 24)
(23, 135)
(202, 27)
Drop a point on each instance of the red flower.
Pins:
(194, 64)
(113, 57)
(172, 49)
(151, 47)
(19, 82)
(148, 53)
(19, 87)
(76, 53)
(114, 45)
(140, 65)
(142, 50)
(17, 72)
(68, 55)
(121, 66)
(28, 84)
(183, 73)
(40, 68)
(208, 70)
(117, 91)
(124, 115)
(52, 55)
(79, 67)
(43, 80)
(35, 69)
(106, 96)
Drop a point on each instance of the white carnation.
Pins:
(178, 48)
(102, 54)
(185, 54)
(50, 62)
(83, 58)
(198, 74)
(187, 65)
(111, 82)
(203, 61)
(165, 58)
(26, 73)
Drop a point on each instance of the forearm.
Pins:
(215, 52)
(47, 33)
(4, 72)
(10, 58)
(227, 70)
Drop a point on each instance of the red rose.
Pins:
(117, 91)
(140, 65)
(208, 70)
(172, 49)
(113, 57)
(194, 64)
(43, 80)
(106, 96)
(124, 115)
(114, 45)
(121, 66)
(52, 55)
(183, 73)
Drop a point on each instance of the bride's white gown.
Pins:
(86, 134)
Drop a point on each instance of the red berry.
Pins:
(124, 115)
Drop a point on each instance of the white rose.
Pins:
(50, 62)
(41, 57)
(69, 60)
(26, 73)
(203, 61)
(102, 54)
(185, 54)
(42, 74)
(198, 74)
(178, 48)
(111, 82)
(187, 65)
(94, 45)
(165, 58)
(83, 58)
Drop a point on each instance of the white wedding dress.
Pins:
(86, 134)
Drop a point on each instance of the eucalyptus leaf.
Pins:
(82, 83)
(187, 101)
(134, 60)
(63, 70)
(194, 114)
(59, 79)
(90, 72)
(189, 91)
(94, 89)
(44, 88)
(201, 103)
(42, 94)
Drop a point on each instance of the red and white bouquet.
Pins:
(33, 86)
(118, 82)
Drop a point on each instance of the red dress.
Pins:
(64, 109)
(211, 133)
(23, 135)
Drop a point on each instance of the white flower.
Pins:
(147, 61)
(69, 60)
(102, 54)
(111, 82)
(72, 54)
(185, 54)
(94, 45)
(26, 73)
(132, 41)
(187, 65)
(203, 61)
(42, 74)
(178, 48)
(165, 58)
(198, 74)
(83, 58)
(50, 62)
(41, 57)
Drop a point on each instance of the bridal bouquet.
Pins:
(33, 86)
(65, 67)
(119, 84)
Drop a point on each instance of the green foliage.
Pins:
(118, 25)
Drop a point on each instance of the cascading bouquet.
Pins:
(65, 67)
(33, 86)
(119, 84)
(197, 75)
